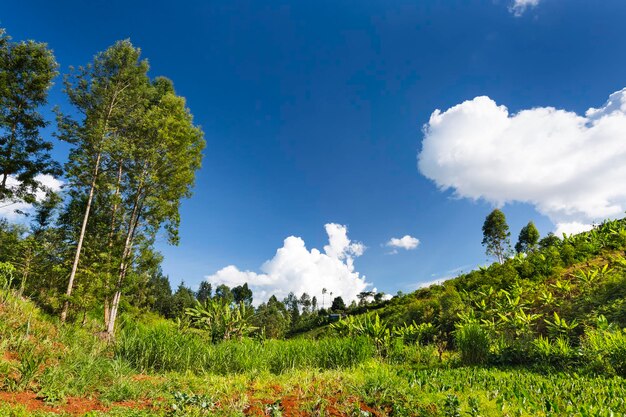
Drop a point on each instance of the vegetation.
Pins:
(496, 235)
(541, 332)
(26, 73)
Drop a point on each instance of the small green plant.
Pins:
(6, 278)
(222, 321)
(274, 410)
(28, 367)
(474, 407)
(473, 343)
(451, 406)
(190, 404)
(559, 327)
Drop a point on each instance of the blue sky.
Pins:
(314, 114)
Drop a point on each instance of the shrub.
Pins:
(558, 353)
(605, 350)
(472, 341)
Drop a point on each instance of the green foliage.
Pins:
(272, 319)
(605, 348)
(559, 327)
(496, 235)
(338, 304)
(528, 239)
(162, 347)
(242, 294)
(415, 333)
(473, 343)
(26, 73)
(221, 321)
(184, 404)
(373, 328)
(7, 271)
(452, 406)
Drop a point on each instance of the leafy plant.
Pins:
(559, 327)
(221, 320)
(184, 404)
(473, 343)
(452, 406)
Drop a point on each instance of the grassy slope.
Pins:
(46, 369)
(571, 271)
(75, 373)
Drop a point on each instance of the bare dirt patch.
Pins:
(76, 406)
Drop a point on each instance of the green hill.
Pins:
(559, 293)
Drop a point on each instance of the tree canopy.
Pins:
(496, 235)
(27, 69)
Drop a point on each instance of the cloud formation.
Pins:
(572, 168)
(406, 242)
(10, 210)
(518, 7)
(296, 269)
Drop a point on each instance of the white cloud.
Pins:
(572, 168)
(296, 269)
(571, 228)
(406, 242)
(518, 7)
(9, 209)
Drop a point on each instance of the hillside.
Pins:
(157, 369)
(558, 309)
(559, 293)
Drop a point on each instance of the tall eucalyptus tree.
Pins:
(104, 92)
(164, 155)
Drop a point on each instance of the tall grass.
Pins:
(473, 343)
(162, 347)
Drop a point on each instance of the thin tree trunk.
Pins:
(107, 311)
(81, 238)
(107, 303)
(27, 263)
(79, 247)
(128, 244)
(5, 175)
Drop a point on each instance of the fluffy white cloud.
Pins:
(9, 209)
(296, 269)
(406, 242)
(572, 228)
(518, 7)
(572, 168)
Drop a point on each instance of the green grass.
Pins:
(162, 347)
(342, 375)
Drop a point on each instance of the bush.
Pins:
(605, 350)
(472, 341)
(558, 353)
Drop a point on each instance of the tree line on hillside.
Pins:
(134, 152)
(546, 304)
(496, 237)
(274, 318)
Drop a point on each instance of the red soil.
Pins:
(10, 356)
(76, 406)
(290, 406)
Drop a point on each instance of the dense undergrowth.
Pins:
(500, 341)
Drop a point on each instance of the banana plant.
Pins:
(222, 321)
(559, 326)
